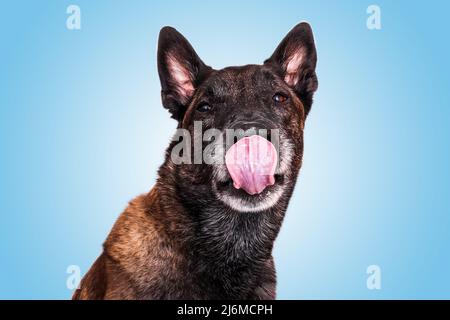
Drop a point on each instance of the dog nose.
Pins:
(249, 128)
(249, 125)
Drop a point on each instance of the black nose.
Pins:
(248, 128)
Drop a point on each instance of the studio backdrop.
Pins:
(83, 131)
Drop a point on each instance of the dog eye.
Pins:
(279, 97)
(204, 107)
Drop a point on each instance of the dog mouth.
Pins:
(227, 186)
(257, 178)
(241, 201)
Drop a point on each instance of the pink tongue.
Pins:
(251, 163)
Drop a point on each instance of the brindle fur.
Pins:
(180, 241)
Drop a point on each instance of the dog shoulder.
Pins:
(93, 284)
(137, 235)
(139, 245)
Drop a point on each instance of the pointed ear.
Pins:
(295, 58)
(180, 71)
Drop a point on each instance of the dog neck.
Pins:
(216, 235)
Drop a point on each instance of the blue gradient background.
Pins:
(82, 131)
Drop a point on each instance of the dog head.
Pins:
(220, 110)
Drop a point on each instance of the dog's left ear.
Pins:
(180, 71)
(295, 58)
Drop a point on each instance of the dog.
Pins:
(206, 230)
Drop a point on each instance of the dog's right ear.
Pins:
(180, 71)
